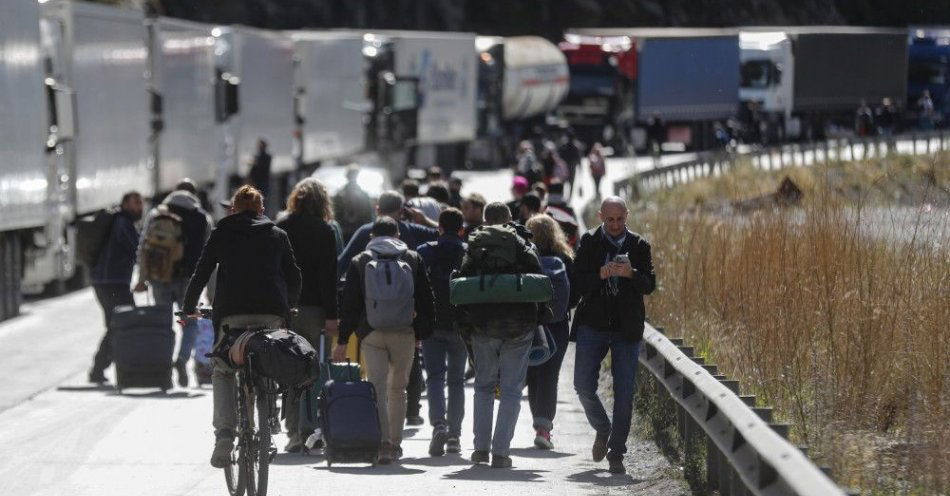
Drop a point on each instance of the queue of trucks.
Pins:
(96, 101)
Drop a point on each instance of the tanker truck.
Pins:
(521, 79)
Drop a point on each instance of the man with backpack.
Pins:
(444, 352)
(258, 284)
(112, 274)
(387, 302)
(173, 235)
(502, 332)
(613, 271)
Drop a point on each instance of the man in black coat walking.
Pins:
(613, 270)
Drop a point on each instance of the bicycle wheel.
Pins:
(258, 463)
(233, 475)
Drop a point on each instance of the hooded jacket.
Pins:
(117, 257)
(624, 311)
(353, 308)
(257, 272)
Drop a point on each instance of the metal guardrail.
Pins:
(713, 163)
(745, 454)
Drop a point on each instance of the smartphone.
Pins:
(623, 258)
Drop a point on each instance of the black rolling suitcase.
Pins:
(142, 347)
(349, 421)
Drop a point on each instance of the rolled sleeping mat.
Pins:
(501, 288)
(542, 348)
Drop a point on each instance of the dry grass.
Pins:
(842, 324)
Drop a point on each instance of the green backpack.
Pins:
(495, 249)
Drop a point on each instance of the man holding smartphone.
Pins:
(613, 270)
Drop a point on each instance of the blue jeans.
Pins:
(445, 347)
(542, 380)
(503, 363)
(169, 293)
(592, 347)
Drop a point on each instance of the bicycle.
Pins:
(251, 457)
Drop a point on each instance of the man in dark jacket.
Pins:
(613, 270)
(389, 204)
(112, 275)
(501, 339)
(388, 348)
(195, 228)
(444, 352)
(259, 175)
(258, 283)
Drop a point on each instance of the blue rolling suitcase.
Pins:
(349, 421)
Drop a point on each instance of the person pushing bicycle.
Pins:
(258, 284)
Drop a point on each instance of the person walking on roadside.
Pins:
(260, 172)
(387, 302)
(444, 351)
(390, 204)
(598, 166)
(314, 243)
(542, 379)
(180, 212)
(112, 275)
(502, 333)
(352, 207)
(473, 208)
(258, 283)
(613, 271)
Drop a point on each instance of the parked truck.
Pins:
(622, 77)
(330, 95)
(929, 70)
(423, 89)
(807, 82)
(521, 79)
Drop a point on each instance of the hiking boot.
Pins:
(453, 445)
(414, 420)
(599, 450)
(616, 465)
(543, 440)
(480, 456)
(498, 461)
(97, 377)
(182, 372)
(221, 456)
(294, 445)
(397, 452)
(385, 453)
(440, 435)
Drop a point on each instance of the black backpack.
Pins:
(92, 233)
(284, 356)
(447, 259)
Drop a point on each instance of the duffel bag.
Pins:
(501, 288)
(284, 356)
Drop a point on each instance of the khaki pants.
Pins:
(388, 355)
(223, 383)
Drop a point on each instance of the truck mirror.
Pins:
(226, 96)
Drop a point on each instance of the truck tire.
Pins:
(11, 271)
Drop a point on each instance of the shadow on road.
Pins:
(292, 459)
(437, 461)
(602, 477)
(174, 395)
(486, 473)
(369, 470)
(537, 453)
(104, 388)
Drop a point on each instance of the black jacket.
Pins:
(257, 273)
(117, 256)
(353, 307)
(441, 259)
(314, 244)
(624, 312)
